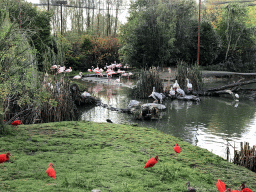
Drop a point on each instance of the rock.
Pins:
(134, 103)
(152, 105)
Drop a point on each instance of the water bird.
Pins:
(50, 171)
(54, 67)
(157, 96)
(61, 69)
(189, 85)
(16, 122)
(78, 76)
(221, 186)
(244, 189)
(177, 148)
(180, 92)
(151, 162)
(176, 85)
(172, 92)
(190, 189)
(109, 121)
(5, 157)
(118, 80)
(68, 70)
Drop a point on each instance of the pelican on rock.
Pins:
(157, 96)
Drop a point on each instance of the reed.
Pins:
(193, 73)
(246, 157)
(147, 80)
(51, 105)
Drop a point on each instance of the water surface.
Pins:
(209, 124)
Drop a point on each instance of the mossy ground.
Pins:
(109, 157)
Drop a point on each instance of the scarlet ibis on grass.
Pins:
(16, 122)
(151, 162)
(5, 157)
(177, 148)
(50, 171)
(221, 186)
(190, 189)
(244, 189)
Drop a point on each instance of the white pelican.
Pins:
(176, 85)
(157, 96)
(172, 92)
(189, 85)
(180, 92)
(78, 76)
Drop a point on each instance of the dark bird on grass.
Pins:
(221, 186)
(177, 148)
(50, 171)
(151, 162)
(5, 157)
(190, 189)
(109, 121)
(16, 122)
(244, 189)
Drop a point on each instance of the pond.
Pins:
(209, 124)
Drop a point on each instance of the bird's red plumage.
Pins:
(16, 122)
(246, 190)
(50, 171)
(4, 157)
(177, 148)
(151, 162)
(221, 186)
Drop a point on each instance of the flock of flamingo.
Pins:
(98, 71)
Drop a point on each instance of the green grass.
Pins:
(109, 157)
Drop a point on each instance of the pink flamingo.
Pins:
(61, 69)
(78, 76)
(68, 70)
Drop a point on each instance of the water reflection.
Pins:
(208, 124)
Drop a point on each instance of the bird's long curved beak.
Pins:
(12, 156)
(150, 95)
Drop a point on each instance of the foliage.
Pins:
(88, 51)
(193, 73)
(238, 46)
(163, 35)
(37, 23)
(210, 44)
(146, 81)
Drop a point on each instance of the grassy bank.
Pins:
(109, 157)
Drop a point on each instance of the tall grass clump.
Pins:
(193, 73)
(147, 80)
(48, 104)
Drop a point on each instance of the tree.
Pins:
(237, 39)
(37, 23)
